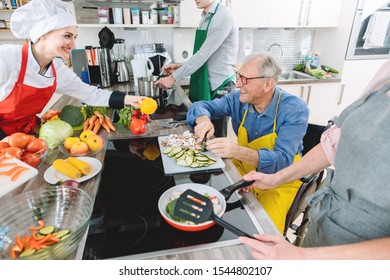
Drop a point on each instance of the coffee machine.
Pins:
(119, 52)
(101, 66)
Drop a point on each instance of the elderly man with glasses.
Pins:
(269, 123)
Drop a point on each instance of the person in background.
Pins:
(269, 124)
(214, 57)
(31, 73)
(350, 215)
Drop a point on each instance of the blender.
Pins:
(119, 51)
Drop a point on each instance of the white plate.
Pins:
(52, 176)
(170, 166)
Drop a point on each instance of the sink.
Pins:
(295, 75)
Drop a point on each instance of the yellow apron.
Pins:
(277, 201)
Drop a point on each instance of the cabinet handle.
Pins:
(308, 94)
(341, 94)
(300, 14)
(308, 14)
(302, 88)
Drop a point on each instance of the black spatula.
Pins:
(198, 208)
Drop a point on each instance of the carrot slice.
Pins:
(41, 225)
(18, 173)
(2, 165)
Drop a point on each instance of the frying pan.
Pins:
(222, 195)
(193, 206)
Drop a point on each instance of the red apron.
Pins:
(18, 111)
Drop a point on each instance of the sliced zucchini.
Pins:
(176, 150)
(62, 233)
(167, 150)
(179, 154)
(65, 236)
(202, 159)
(189, 160)
(47, 230)
(194, 164)
(27, 253)
(181, 162)
(212, 159)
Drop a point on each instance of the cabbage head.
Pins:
(55, 132)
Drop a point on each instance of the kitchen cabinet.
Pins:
(190, 15)
(321, 98)
(304, 13)
(249, 13)
(287, 13)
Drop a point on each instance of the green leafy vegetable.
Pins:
(169, 209)
(90, 110)
(125, 116)
(72, 115)
(55, 132)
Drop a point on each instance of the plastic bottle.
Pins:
(316, 59)
(307, 63)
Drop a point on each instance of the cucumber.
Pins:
(27, 253)
(167, 150)
(65, 237)
(194, 164)
(328, 69)
(62, 233)
(181, 162)
(47, 230)
(179, 154)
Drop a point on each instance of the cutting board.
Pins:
(170, 166)
(6, 185)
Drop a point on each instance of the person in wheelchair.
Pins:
(350, 215)
(269, 123)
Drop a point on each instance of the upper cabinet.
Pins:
(249, 13)
(190, 15)
(286, 13)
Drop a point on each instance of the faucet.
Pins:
(276, 45)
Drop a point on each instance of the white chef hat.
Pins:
(39, 17)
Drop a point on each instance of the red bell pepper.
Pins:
(137, 126)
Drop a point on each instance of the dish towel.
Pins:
(378, 32)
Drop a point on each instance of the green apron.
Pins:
(199, 80)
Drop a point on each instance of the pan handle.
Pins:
(228, 191)
(229, 227)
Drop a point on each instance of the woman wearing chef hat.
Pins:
(30, 74)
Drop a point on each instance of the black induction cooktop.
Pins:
(126, 220)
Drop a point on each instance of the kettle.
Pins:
(141, 67)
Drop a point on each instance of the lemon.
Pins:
(148, 106)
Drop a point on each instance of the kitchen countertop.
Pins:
(228, 251)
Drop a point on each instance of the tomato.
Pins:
(30, 137)
(4, 145)
(30, 158)
(14, 152)
(135, 113)
(19, 140)
(145, 117)
(137, 126)
(37, 145)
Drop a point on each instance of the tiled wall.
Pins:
(288, 45)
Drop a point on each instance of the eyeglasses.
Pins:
(244, 80)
